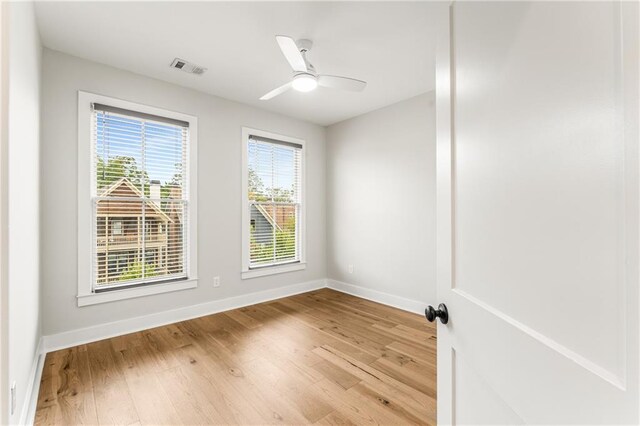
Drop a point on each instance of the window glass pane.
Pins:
(165, 152)
(140, 183)
(174, 238)
(260, 173)
(273, 233)
(286, 220)
(118, 242)
(274, 178)
(118, 148)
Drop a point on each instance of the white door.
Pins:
(537, 109)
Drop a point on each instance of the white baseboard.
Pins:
(378, 296)
(117, 328)
(28, 412)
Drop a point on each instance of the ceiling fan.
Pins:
(305, 78)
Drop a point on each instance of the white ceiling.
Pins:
(391, 45)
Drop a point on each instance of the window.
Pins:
(116, 226)
(273, 206)
(136, 190)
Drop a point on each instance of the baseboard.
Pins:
(104, 331)
(378, 296)
(117, 328)
(28, 412)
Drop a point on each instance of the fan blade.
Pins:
(343, 83)
(275, 92)
(292, 53)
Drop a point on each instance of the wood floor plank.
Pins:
(295, 388)
(358, 408)
(393, 387)
(160, 349)
(152, 403)
(244, 319)
(214, 388)
(425, 355)
(351, 335)
(410, 335)
(336, 374)
(194, 407)
(421, 379)
(329, 304)
(237, 380)
(291, 304)
(393, 404)
(313, 336)
(406, 360)
(335, 419)
(321, 357)
(66, 388)
(382, 311)
(114, 403)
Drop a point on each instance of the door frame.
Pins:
(444, 197)
(630, 14)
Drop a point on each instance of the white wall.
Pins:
(381, 200)
(219, 191)
(4, 213)
(23, 198)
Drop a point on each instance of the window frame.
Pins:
(246, 272)
(86, 294)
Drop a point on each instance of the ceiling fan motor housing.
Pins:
(304, 45)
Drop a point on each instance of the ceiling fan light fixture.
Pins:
(304, 82)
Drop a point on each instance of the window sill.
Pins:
(130, 293)
(272, 270)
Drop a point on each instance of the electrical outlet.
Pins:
(216, 281)
(351, 269)
(13, 398)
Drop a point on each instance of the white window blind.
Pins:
(274, 194)
(139, 198)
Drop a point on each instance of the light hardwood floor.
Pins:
(320, 357)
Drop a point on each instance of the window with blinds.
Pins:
(139, 198)
(274, 191)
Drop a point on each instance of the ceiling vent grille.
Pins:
(187, 66)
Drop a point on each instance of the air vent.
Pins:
(187, 66)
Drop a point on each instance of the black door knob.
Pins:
(441, 313)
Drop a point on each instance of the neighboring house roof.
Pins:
(111, 189)
(282, 214)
